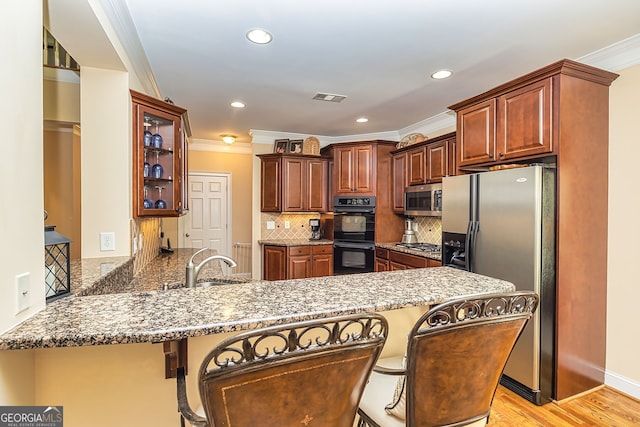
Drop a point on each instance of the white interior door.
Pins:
(208, 223)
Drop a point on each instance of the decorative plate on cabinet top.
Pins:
(412, 138)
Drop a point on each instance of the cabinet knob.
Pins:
(501, 154)
(491, 156)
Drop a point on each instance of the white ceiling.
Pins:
(379, 54)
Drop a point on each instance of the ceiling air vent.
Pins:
(329, 97)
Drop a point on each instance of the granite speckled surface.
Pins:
(162, 315)
(424, 254)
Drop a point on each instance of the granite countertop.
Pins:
(164, 315)
(424, 254)
(295, 242)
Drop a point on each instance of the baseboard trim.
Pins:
(622, 384)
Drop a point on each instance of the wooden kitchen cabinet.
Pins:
(558, 114)
(293, 183)
(354, 170)
(297, 262)
(417, 165)
(515, 125)
(422, 163)
(159, 158)
(390, 260)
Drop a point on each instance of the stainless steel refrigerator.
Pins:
(502, 224)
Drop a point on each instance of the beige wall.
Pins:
(239, 166)
(21, 215)
(623, 335)
(61, 101)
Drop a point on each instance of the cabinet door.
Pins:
(274, 262)
(316, 185)
(437, 161)
(322, 265)
(293, 184)
(381, 264)
(476, 130)
(299, 267)
(400, 181)
(524, 121)
(434, 263)
(365, 171)
(417, 163)
(451, 156)
(393, 266)
(354, 171)
(270, 183)
(344, 174)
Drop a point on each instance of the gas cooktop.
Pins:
(426, 247)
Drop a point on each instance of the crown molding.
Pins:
(268, 137)
(118, 16)
(615, 57)
(431, 125)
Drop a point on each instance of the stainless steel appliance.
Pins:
(502, 224)
(423, 200)
(353, 234)
(314, 224)
(409, 235)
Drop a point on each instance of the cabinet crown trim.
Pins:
(566, 67)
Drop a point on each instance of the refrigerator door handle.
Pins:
(472, 247)
(467, 245)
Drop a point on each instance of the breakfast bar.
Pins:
(116, 346)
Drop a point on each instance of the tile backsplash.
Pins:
(149, 229)
(299, 226)
(429, 230)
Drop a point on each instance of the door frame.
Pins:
(228, 232)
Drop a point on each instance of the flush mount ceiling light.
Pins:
(441, 74)
(259, 36)
(362, 120)
(237, 104)
(229, 139)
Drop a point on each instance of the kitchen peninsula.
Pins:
(75, 369)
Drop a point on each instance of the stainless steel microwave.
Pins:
(423, 200)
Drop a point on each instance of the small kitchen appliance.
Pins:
(409, 235)
(314, 223)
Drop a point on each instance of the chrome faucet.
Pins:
(194, 270)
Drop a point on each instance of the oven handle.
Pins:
(346, 212)
(354, 245)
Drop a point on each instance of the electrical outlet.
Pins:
(107, 241)
(287, 224)
(23, 298)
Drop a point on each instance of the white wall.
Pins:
(623, 335)
(21, 214)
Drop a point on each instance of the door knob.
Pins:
(186, 235)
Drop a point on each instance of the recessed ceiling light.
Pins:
(362, 120)
(441, 74)
(259, 36)
(229, 139)
(237, 104)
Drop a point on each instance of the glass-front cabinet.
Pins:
(159, 158)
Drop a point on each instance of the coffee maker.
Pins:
(314, 223)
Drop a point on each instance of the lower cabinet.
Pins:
(297, 262)
(389, 260)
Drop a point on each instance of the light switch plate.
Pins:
(271, 225)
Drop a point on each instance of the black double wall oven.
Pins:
(353, 234)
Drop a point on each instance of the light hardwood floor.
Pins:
(603, 407)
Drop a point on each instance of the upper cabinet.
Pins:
(159, 158)
(293, 183)
(513, 125)
(354, 171)
(422, 163)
